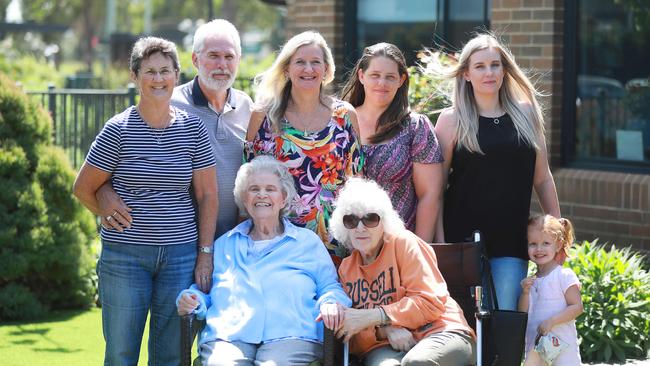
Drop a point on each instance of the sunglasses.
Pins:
(369, 220)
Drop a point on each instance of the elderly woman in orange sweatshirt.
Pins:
(401, 311)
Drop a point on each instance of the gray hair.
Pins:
(360, 197)
(264, 164)
(213, 28)
(147, 46)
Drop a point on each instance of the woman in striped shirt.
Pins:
(150, 154)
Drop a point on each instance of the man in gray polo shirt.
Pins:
(224, 110)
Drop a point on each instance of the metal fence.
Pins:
(79, 114)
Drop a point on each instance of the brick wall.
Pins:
(614, 207)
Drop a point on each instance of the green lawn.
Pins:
(66, 338)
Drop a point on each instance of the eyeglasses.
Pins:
(164, 73)
(369, 220)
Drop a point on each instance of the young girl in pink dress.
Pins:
(552, 296)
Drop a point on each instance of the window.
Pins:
(414, 24)
(612, 93)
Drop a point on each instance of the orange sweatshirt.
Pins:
(405, 281)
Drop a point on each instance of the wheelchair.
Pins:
(465, 269)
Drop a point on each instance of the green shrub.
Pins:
(428, 94)
(616, 297)
(46, 259)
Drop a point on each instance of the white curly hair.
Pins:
(264, 164)
(360, 197)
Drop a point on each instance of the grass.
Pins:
(66, 338)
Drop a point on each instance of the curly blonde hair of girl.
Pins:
(561, 230)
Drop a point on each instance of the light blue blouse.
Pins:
(271, 295)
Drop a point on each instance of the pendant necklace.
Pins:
(156, 133)
(496, 121)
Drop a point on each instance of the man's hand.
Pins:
(115, 214)
(203, 271)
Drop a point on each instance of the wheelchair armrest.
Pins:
(190, 326)
(331, 347)
(333, 350)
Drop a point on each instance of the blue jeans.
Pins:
(136, 279)
(507, 273)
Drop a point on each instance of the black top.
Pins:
(492, 192)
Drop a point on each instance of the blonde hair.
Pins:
(360, 197)
(516, 88)
(561, 230)
(273, 87)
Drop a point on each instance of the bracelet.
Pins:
(385, 320)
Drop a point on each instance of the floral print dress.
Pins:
(390, 163)
(320, 163)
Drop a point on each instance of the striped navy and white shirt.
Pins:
(152, 172)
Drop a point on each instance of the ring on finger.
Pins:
(114, 213)
(109, 218)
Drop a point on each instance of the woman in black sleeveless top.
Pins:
(495, 154)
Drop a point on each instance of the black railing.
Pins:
(79, 114)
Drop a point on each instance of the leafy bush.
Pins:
(616, 297)
(45, 235)
(429, 93)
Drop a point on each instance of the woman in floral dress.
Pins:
(401, 150)
(314, 134)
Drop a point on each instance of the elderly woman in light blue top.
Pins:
(272, 281)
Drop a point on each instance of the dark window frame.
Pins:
(568, 126)
(350, 35)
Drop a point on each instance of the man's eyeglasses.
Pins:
(369, 220)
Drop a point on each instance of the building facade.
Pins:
(588, 56)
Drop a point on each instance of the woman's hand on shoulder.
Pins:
(400, 339)
(254, 124)
(332, 315)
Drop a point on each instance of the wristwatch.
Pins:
(207, 249)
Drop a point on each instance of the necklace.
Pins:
(156, 133)
(496, 121)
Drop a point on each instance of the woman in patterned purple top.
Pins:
(402, 152)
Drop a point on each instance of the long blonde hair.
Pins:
(273, 87)
(516, 88)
